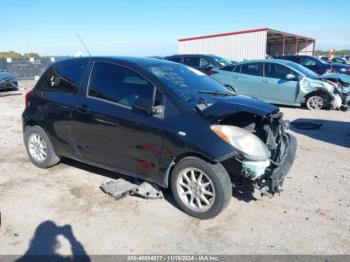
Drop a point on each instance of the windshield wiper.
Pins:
(215, 92)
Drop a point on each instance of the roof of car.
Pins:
(141, 61)
(192, 55)
(279, 61)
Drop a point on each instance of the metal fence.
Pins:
(25, 68)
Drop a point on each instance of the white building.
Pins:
(248, 44)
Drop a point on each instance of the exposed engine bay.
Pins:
(271, 129)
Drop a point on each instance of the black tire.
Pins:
(51, 157)
(220, 180)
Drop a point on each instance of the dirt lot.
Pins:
(310, 217)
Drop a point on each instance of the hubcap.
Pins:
(196, 189)
(315, 102)
(37, 147)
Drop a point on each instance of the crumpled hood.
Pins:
(237, 104)
(343, 77)
(337, 65)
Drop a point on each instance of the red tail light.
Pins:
(211, 72)
(26, 98)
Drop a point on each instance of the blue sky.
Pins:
(152, 27)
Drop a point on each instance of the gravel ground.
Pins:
(63, 207)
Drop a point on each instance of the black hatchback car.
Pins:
(159, 121)
(202, 63)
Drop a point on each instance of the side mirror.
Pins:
(144, 104)
(291, 77)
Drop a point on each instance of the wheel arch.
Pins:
(175, 160)
(316, 92)
(31, 123)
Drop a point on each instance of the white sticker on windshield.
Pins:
(196, 71)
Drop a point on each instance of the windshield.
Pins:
(220, 60)
(190, 84)
(303, 70)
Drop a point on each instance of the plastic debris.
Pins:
(121, 188)
(118, 188)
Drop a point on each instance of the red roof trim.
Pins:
(224, 34)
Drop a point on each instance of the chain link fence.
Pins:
(25, 68)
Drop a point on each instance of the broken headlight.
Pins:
(250, 146)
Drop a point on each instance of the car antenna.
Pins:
(82, 42)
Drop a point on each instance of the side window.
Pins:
(176, 59)
(118, 84)
(306, 61)
(64, 77)
(159, 99)
(191, 61)
(277, 71)
(205, 62)
(228, 68)
(237, 69)
(254, 69)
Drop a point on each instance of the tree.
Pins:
(34, 55)
(10, 54)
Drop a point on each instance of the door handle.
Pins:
(265, 81)
(83, 108)
(107, 122)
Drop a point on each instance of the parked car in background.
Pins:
(159, 121)
(279, 82)
(7, 80)
(347, 58)
(200, 62)
(157, 57)
(335, 59)
(343, 85)
(318, 65)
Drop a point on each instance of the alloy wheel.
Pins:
(37, 147)
(196, 189)
(315, 102)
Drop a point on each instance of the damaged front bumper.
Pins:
(273, 179)
(267, 176)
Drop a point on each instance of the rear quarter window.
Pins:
(64, 77)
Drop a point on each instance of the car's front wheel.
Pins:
(315, 102)
(201, 189)
(39, 147)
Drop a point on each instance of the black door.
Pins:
(112, 134)
(59, 86)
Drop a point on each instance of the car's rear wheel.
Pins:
(39, 147)
(315, 102)
(201, 189)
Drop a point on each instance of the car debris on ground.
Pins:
(121, 188)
